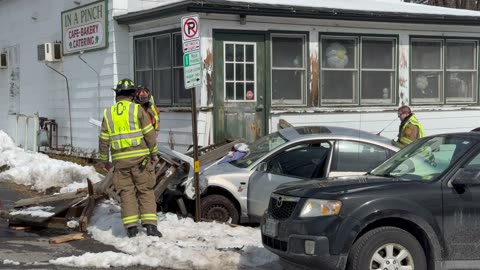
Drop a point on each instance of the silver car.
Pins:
(239, 191)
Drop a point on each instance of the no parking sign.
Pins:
(192, 62)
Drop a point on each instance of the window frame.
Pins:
(303, 100)
(244, 81)
(357, 94)
(175, 100)
(444, 69)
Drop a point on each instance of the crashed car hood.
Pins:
(335, 185)
(218, 169)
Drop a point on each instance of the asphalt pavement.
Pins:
(31, 247)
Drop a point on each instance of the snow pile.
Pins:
(184, 245)
(38, 170)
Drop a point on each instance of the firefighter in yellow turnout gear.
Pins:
(144, 97)
(410, 128)
(130, 136)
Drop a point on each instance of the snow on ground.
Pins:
(35, 211)
(38, 170)
(184, 245)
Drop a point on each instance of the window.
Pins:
(240, 71)
(427, 71)
(353, 156)
(358, 70)
(427, 159)
(305, 161)
(288, 70)
(159, 66)
(443, 71)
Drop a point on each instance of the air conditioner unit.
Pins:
(49, 52)
(3, 60)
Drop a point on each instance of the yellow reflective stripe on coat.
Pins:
(130, 154)
(130, 219)
(405, 140)
(103, 157)
(154, 150)
(154, 109)
(147, 129)
(148, 217)
(104, 136)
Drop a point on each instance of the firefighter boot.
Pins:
(152, 230)
(132, 231)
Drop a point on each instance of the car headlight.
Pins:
(316, 208)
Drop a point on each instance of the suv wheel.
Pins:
(387, 248)
(219, 208)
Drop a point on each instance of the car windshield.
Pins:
(259, 148)
(426, 159)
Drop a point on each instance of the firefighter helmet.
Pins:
(125, 85)
(143, 94)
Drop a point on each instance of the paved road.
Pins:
(31, 248)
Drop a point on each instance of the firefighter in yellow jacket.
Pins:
(410, 128)
(128, 133)
(144, 97)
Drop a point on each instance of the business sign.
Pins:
(85, 28)
(192, 59)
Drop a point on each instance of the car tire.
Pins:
(219, 208)
(371, 249)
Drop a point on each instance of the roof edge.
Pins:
(235, 8)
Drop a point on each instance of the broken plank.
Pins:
(49, 198)
(218, 152)
(163, 183)
(90, 187)
(53, 207)
(66, 238)
(86, 214)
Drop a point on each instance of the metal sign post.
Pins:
(192, 71)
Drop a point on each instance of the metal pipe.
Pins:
(98, 85)
(16, 131)
(69, 107)
(36, 124)
(26, 133)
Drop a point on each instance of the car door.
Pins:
(461, 217)
(305, 160)
(356, 157)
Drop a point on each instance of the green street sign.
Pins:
(191, 58)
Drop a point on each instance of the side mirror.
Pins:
(262, 166)
(466, 177)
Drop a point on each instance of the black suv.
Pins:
(418, 210)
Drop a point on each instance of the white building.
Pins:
(331, 62)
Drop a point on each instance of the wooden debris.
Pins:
(49, 198)
(87, 213)
(66, 238)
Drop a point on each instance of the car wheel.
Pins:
(387, 248)
(219, 208)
